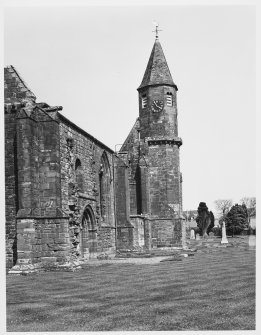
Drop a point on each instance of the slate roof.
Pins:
(157, 71)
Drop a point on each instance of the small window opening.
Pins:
(144, 100)
(79, 175)
(78, 164)
(169, 99)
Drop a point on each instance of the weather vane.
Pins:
(156, 30)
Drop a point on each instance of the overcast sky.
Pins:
(90, 60)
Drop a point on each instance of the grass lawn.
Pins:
(209, 291)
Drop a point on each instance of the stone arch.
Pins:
(105, 188)
(88, 243)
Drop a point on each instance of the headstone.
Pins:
(224, 235)
(251, 241)
(211, 234)
(197, 237)
(192, 234)
(183, 238)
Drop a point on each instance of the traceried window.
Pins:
(169, 99)
(144, 101)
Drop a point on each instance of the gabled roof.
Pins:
(132, 137)
(15, 88)
(157, 71)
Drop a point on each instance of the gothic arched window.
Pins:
(79, 174)
(105, 188)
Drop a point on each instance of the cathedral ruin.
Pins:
(70, 197)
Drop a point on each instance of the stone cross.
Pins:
(192, 234)
(224, 235)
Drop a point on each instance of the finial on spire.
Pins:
(156, 29)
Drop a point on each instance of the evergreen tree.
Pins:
(236, 219)
(212, 222)
(204, 218)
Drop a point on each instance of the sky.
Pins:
(91, 59)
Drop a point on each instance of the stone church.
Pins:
(69, 197)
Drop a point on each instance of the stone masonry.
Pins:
(152, 148)
(70, 198)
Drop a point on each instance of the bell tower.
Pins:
(159, 146)
(158, 97)
(151, 153)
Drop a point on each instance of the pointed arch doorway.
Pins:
(88, 234)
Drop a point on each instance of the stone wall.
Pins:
(38, 156)
(87, 181)
(164, 178)
(166, 233)
(42, 240)
(158, 124)
(11, 198)
(138, 231)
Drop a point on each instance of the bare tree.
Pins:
(250, 203)
(223, 206)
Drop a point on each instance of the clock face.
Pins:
(157, 106)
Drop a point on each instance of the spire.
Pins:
(157, 71)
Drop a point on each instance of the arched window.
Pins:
(79, 174)
(105, 189)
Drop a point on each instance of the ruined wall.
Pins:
(87, 180)
(38, 156)
(16, 95)
(11, 198)
(42, 240)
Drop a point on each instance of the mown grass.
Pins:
(205, 292)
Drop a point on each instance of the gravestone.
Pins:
(251, 241)
(224, 235)
(192, 234)
(211, 234)
(198, 237)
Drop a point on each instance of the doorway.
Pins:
(88, 234)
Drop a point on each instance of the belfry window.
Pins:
(169, 99)
(144, 100)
